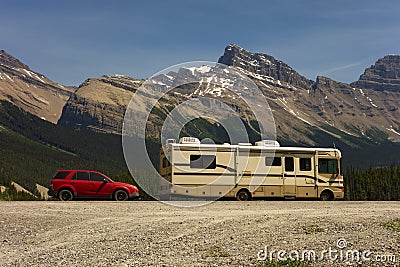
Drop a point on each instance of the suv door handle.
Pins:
(73, 183)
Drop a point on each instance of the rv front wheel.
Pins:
(243, 195)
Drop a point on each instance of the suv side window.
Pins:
(97, 177)
(81, 176)
(61, 175)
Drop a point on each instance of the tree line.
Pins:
(32, 150)
(373, 183)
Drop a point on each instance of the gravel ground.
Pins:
(223, 233)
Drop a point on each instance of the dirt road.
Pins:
(220, 234)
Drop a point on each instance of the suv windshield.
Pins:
(97, 177)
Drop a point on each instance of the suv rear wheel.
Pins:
(65, 195)
(121, 195)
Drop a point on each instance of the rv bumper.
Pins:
(339, 194)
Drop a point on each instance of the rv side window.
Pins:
(305, 164)
(276, 161)
(203, 162)
(289, 164)
(329, 166)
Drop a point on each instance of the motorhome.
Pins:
(246, 171)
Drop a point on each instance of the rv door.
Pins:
(289, 176)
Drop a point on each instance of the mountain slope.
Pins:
(100, 103)
(303, 109)
(360, 109)
(32, 149)
(31, 90)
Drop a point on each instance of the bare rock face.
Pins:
(262, 64)
(100, 103)
(30, 90)
(384, 75)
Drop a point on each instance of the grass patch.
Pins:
(376, 134)
(393, 225)
(288, 263)
(216, 251)
(312, 229)
(353, 128)
(159, 113)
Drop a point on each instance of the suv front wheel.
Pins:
(121, 195)
(65, 195)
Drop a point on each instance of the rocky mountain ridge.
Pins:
(30, 90)
(264, 65)
(304, 110)
(384, 75)
(367, 108)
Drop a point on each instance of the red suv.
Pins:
(69, 184)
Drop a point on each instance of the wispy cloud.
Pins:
(333, 70)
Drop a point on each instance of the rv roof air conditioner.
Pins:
(189, 140)
(269, 143)
(244, 144)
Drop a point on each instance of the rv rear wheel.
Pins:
(326, 196)
(243, 195)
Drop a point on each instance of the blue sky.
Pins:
(69, 41)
